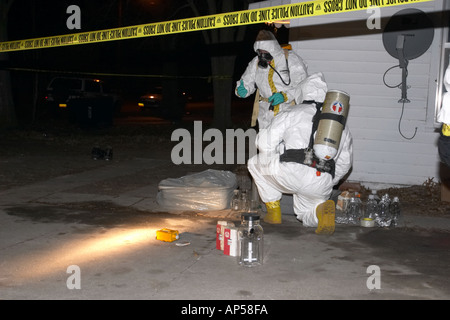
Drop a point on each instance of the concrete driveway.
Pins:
(91, 235)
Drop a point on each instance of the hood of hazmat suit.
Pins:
(313, 88)
(291, 129)
(285, 74)
(266, 41)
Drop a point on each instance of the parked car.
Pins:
(151, 100)
(84, 100)
(154, 102)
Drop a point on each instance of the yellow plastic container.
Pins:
(167, 235)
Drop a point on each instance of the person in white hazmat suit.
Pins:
(444, 118)
(311, 189)
(275, 73)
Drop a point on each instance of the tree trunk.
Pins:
(7, 112)
(172, 104)
(222, 66)
(222, 71)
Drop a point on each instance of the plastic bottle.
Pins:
(358, 199)
(384, 219)
(395, 211)
(341, 216)
(235, 201)
(375, 195)
(354, 212)
(370, 212)
(251, 240)
(341, 208)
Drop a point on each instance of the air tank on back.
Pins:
(332, 122)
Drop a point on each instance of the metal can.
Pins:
(231, 241)
(220, 229)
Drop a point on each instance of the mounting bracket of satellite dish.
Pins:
(408, 35)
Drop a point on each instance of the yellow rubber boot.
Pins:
(273, 215)
(325, 212)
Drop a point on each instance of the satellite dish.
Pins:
(415, 27)
(408, 35)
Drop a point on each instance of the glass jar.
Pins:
(244, 202)
(235, 201)
(251, 240)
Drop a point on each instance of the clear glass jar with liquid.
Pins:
(251, 240)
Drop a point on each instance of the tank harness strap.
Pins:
(306, 156)
(315, 120)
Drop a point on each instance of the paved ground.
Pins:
(67, 220)
(109, 233)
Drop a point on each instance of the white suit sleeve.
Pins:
(269, 139)
(344, 158)
(444, 114)
(313, 88)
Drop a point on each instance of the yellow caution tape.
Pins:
(221, 20)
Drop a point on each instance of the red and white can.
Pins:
(231, 241)
(220, 229)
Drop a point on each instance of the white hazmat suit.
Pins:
(291, 129)
(283, 75)
(444, 118)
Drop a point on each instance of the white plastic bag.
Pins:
(206, 190)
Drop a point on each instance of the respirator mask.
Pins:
(264, 59)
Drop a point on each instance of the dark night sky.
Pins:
(39, 18)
